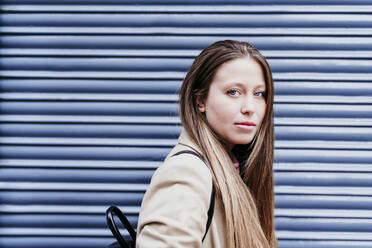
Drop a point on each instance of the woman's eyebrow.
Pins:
(243, 85)
(233, 83)
(261, 86)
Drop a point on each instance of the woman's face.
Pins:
(235, 104)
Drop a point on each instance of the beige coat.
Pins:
(174, 210)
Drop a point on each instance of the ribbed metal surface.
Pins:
(89, 110)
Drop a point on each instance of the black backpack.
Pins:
(113, 210)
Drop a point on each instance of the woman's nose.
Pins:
(247, 106)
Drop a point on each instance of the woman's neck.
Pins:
(235, 161)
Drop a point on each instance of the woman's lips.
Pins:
(245, 125)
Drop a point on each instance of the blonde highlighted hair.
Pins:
(248, 200)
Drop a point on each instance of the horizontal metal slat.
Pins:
(105, 130)
(100, 64)
(76, 175)
(104, 232)
(322, 167)
(317, 133)
(89, 187)
(323, 121)
(321, 65)
(89, 130)
(51, 118)
(297, 235)
(322, 213)
(314, 92)
(104, 142)
(169, 98)
(323, 156)
(217, 31)
(324, 179)
(324, 224)
(175, 64)
(175, 43)
(323, 88)
(322, 190)
(67, 194)
(158, 154)
(324, 235)
(171, 109)
(59, 220)
(56, 232)
(283, 243)
(360, 20)
(94, 86)
(72, 221)
(93, 242)
(99, 97)
(81, 163)
(172, 86)
(322, 99)
(310, 144)
(322, 110)
(143, 130)
(98, 221)
(165, 120)
(56, 242)
(39, 52)
(169, 8)
(84, 153)
(145, 142)
(175, 75)
(134, 210)
(90, 108)
(282, 133)
(192, 2)
(71, 198)
(66, 209)
(329, 182)
(94, 75)
(152, 165)
(319, 204)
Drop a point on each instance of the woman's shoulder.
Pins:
(175, 206)
(182, 163)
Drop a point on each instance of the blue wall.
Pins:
(89, 109)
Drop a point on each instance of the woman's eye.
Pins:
(233, 92)
(260, 94)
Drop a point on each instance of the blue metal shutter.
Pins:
(89, 110)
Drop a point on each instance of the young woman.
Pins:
(226, 109)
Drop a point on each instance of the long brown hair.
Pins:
(247, 200)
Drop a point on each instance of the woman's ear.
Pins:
(201, 104)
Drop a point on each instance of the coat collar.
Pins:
(186, 140)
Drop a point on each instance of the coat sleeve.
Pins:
(174, 209)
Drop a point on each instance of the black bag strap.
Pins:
(210, 213)
(115, 230)
(211, 205)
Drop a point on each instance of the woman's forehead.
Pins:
(243, 71)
